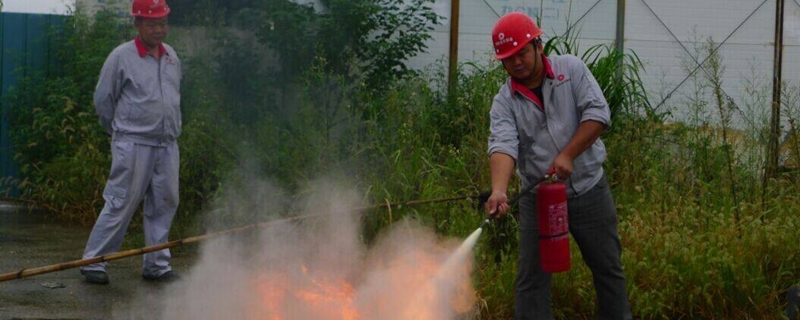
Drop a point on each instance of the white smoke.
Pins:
(319, 269)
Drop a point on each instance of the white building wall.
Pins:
(747, 55)
(477, 17)
(120, 7)
(791, 43)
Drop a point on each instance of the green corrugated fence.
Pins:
(28, 51)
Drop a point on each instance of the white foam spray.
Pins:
(446, 280)
(462, 253)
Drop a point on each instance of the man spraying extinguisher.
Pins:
(548, 118)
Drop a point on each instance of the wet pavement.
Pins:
(30, 239)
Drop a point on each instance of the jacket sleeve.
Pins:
(504, 137)
(107, 92)
(589, 97)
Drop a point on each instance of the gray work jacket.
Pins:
(138, 96)
(534, 133)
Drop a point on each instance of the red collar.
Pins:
(143, 49)
(525, 91)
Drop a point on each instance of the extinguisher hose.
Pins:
(511, 202)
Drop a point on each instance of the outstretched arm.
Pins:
(502, 166)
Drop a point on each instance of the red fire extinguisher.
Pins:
(551, 197)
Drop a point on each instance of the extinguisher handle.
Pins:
(550, 176)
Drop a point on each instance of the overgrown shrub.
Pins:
(62, 151)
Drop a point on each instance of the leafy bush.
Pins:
(62, 151)
(267, 48)
(381, 35)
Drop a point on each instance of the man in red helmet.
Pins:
(549, 116)
(138, 101)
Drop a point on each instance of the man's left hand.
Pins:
(563, 166)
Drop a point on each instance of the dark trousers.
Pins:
(593, 225)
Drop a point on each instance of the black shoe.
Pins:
(168, 276)
(96, 277)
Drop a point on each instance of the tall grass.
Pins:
(698, 242)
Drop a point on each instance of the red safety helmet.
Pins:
(151, 9)
(512, 32)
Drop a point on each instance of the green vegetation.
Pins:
(703, 239)
(63, 155)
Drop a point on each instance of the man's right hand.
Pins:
(497, 204)
(502, 166)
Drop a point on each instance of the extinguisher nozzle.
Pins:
(485, 223)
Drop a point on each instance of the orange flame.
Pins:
(320, 298)
(411, 286)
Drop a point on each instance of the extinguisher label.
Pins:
(558, 219)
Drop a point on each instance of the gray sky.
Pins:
(37, 6)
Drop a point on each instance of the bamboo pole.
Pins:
(136, 252)
(24, 273)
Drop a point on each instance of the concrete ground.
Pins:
(29, 239)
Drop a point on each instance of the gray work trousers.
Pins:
(593, 225)
(137, 172)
